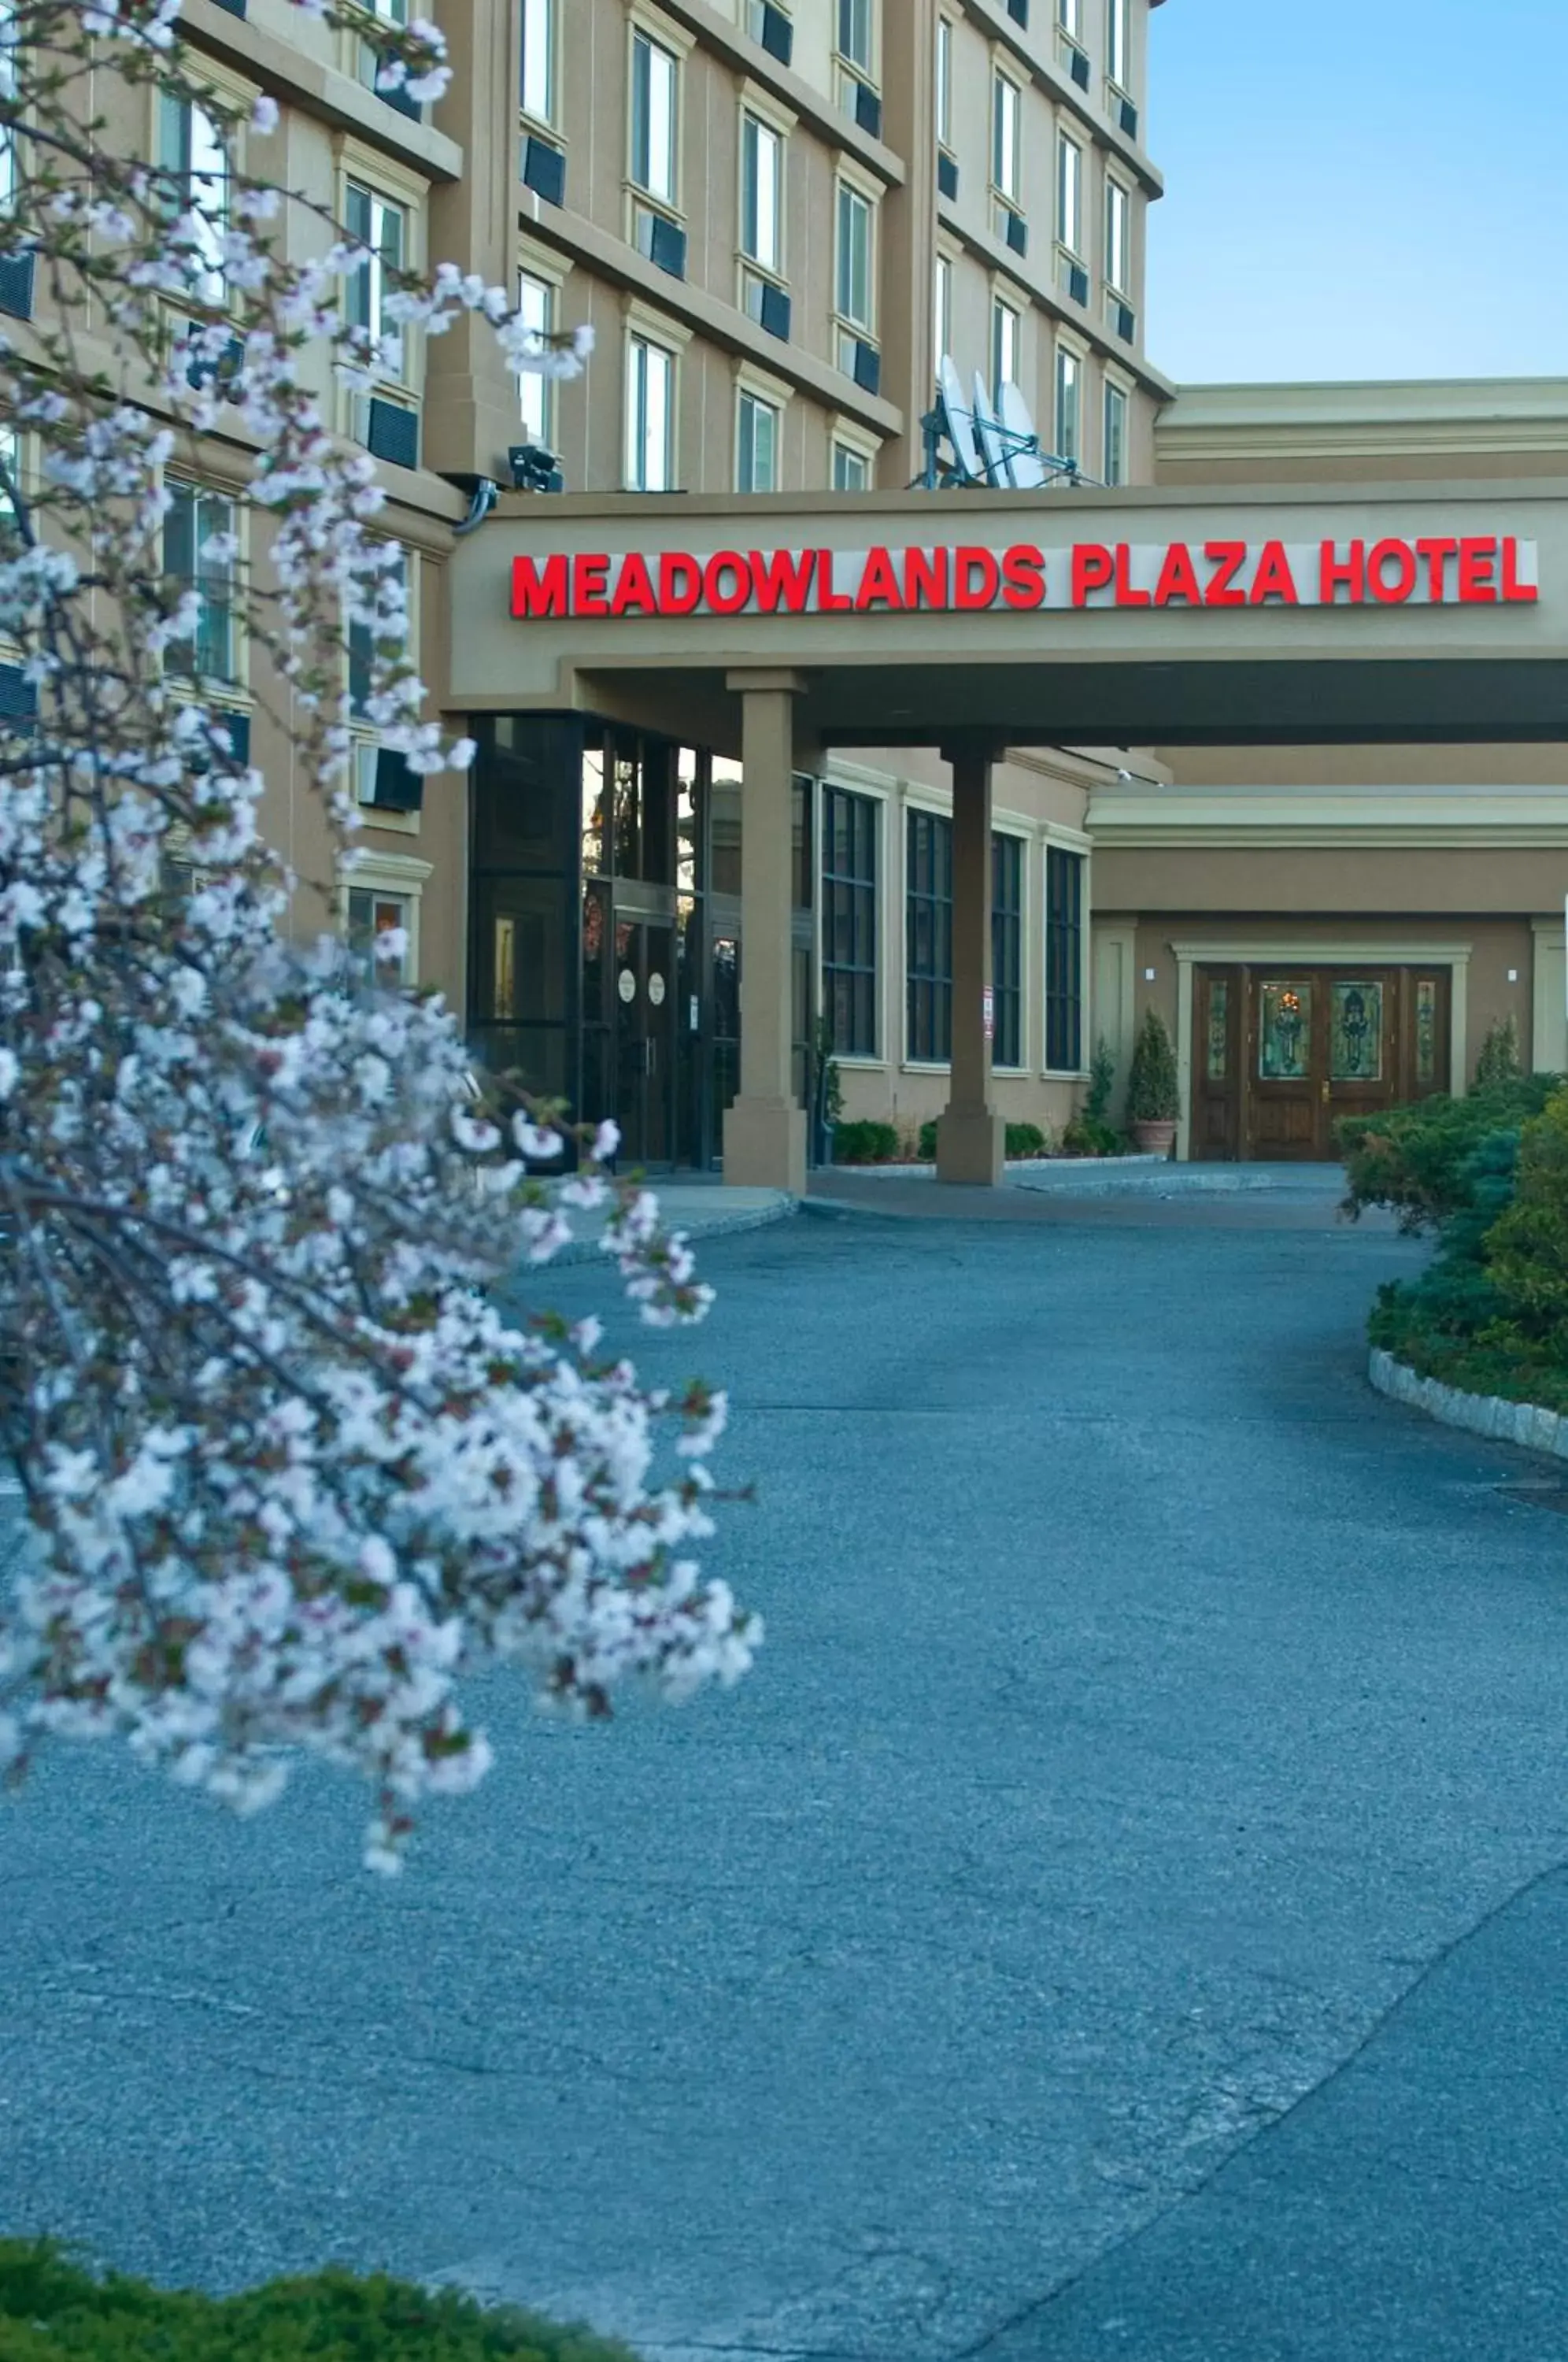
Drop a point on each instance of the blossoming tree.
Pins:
(289, 1469)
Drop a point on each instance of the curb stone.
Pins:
(750, 1218)
(1529, 1425)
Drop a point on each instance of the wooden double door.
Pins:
(1280, 1054)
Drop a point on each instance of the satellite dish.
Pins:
(959, 423)
(988, 436)
(1022, 442)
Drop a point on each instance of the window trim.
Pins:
(530, 115)
(1018, 834)
(1064, 141)
(850, 436)
(396, 184)
(1058, 839)
(1119, 13)
(364, 869)
(365, 733)
(209, 688)
(650, 24)
(1003, 301)
(753, 384)
(876, 794)
(770, 117)
(945, 30)
(643, 327)
(544, 265)
(1002, 81)
(860, 185)
(916, 808)
(1066, 347)
(870, 73)
(1112, 383)
(1115, 188)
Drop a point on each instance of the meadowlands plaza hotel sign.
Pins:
(1466, 569)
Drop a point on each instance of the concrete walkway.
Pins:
(702, 1208)
(1122, 1916)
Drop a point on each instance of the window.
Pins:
(762, 185)
(944, 321)
(854, 278)
(928, 938)
(362, 645)
(855, 33)
(372, 913)
(944, 81)
(199, 556)
(653, 83)
(1005, 326)
(10, 479)
(1115, 467)
(1069, 421)
(756, 446)
(1064, 961)
(1069, 193)
(650, 417)
(850, 470)
(1116, 62)
(1007, 951)
(537, 308)
(195, 161)
(1070, 16)
(849, 922)
(539, 91)
(376, 223)
(1117, 218)
(1006, 100)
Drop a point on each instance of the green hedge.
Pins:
(1416, 1160)
(1023, 1140)
(1490, 1311)
(53, 2310)
(864, 1143)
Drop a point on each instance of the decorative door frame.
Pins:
(1291, 951)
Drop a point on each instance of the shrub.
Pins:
(1103, 1075)
(1089, 1135)
(1152, 1094)
(1500, 1061)
(1416, 1160)
(864, 1143)
(927, 1142)
(1527, 1247)
(1026, 1139)
(53, 2310)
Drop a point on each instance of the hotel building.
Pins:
(777, 218)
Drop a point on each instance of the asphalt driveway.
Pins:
(1119, 1916)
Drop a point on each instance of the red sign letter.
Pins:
(830, 601)
(1093, 568)
(1477, 584)
(680, 584)
(878, 583)
(973, 594)
(1344, 573)
(1178, 578)
(925, 578)
(1228, 558)
(1023, 575)
(1273, 579)
(1125, 594)
(783, 580)
(722, 602)
(536, 593)
(1392, 593)
(1437, 555)
(1515, 592)
(589, 582)
(635, 587)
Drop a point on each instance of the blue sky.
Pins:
(1359, 188)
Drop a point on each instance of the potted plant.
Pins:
(1152, 1103)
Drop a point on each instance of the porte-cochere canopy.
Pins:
(775, 628)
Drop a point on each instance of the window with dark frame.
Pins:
(1007, 951)
(1064, 961)
(928, 941)
(849, 921)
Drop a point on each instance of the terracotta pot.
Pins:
(1154, 1139)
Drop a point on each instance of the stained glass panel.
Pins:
(1355, 1045)
(1218, 1031)
(1426, 1031)
(1285, 1033)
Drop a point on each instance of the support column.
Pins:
(970, 1136)
(765, 1131)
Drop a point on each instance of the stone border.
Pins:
(1491, 1415)
(748, 1218)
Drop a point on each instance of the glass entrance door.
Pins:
(645, 989)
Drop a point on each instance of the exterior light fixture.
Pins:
(535, 470)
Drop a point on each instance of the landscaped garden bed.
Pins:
(52, 2308)
(1488, 1173)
